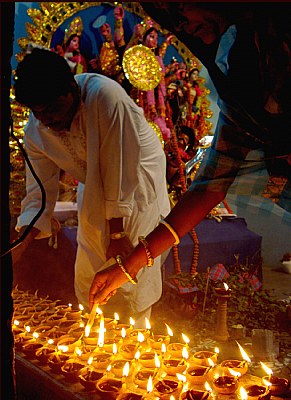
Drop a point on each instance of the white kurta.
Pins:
(120, 164)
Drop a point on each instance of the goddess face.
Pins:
(151, 40)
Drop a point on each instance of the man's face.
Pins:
(56, 115)
(205, 24)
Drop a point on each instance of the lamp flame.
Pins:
(147, 323)
(140, 337)
(90, 360)
(116, 316)
(125, 371)
(123, 332)
(157, 361)
(101, 332)
(63, 348)
(267, 369)
(131, 321)
(225, 286)
(27, 328)
(163, 348)
(243, 353)
(16, 322)
(243, 393)
(210, 362)
(181, 377)
(81, 307)
(170, 332)
(35, 335)
(114, 348)
(185, 338)
(185, 353)
(207, 387)
(78, 351)
(216, 350)
(50, 341)
(150, 384)
(137, 355)
(234, 373)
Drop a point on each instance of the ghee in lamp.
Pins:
(278, 386)
(257, 392)
(226, 384)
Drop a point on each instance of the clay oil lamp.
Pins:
(173, 366)
(135, 334)
(278, 386)
(56, 360)
(63, 309)
(75, 314)
(156, 341)
(130, 396)
(22, 338)
(30, 348)
(128, 350)
(240, 366)
(142, 376)
(109, 388)
(117, 367)
(77, 330)
(203, 357)
(43, 353)
(69, 342)
(71, 370)
(198, 374)
(110, 345)
(120, 327)
(257, 392)
(101, 360)
(225, 384)
(149, 359)
(55, 320)
(88, 376)
(223, 290)
(175, 350)
(195, 394)
(167, 387)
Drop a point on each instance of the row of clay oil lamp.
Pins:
(119, 361)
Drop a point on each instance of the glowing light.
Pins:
(147, 322)
(234, 373)
(131, 321)
(78, 351)
(27, 328)
(170, 332)
(16, 322)
(81, 307)
(163, 348)
(150, 385)
(114, 348)
(137, 355)
(101, 332)
(185, 353)
(157, 361)
(125, 371)
(225, 286)
(90, 360)
(70, 305)
(210, 362)
(185, 338)
(243, 393)
(216, 350)
(243, 353)
(63, 348)
(50, 341)
(123, 333)
(266, 368)
(181, 377)
(207, 387)
(140, 337)
(116, 316)
(35, 335)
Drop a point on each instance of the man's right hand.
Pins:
(18, 251)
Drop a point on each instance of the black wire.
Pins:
(43, 195)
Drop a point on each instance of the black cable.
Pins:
(43, 195)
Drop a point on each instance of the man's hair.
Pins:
(41, 77)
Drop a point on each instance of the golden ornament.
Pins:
(141, 67)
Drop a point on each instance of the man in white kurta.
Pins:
(120, 164)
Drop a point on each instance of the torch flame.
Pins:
(243, 353)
